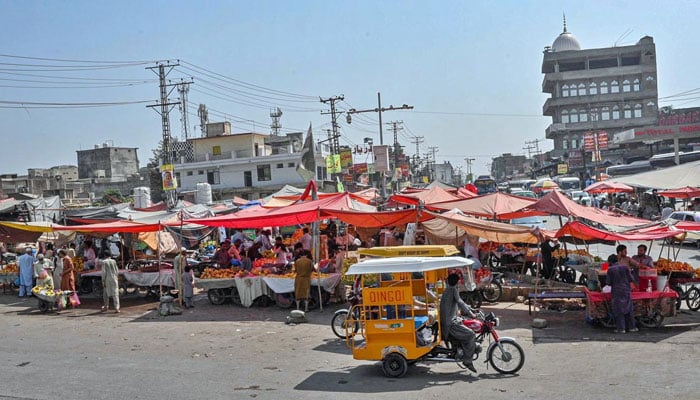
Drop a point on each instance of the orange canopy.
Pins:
(494, 205)
(429, 196)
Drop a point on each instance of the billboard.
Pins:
(167, 173)
(381, 158)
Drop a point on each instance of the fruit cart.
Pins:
(685, 284)
(48, 299)
(650, 308)
(219, 290)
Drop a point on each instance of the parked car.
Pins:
(691, 216)
(524, 193)
(532, 222)
(581, 197)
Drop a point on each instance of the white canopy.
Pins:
(406, 264)
(675, 177)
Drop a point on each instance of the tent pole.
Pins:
(314, 196)
(160, 283)
(178, 278)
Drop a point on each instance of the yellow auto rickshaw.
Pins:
(397, 321)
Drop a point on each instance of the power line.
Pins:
(480, 114)
(70, 60)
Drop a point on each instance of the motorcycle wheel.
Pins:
(692, 299)
(339, 325)
(493, 292)
(473, 299)
(394, 365)
(509, 360)
(216, 296)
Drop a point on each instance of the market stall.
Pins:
(650, 307)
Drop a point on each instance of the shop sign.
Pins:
(167, 172)
(562, 169)
(345, 158)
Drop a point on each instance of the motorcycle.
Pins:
(340, 317)
(503, 353)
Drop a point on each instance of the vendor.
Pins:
(471, 246)
(630, 263)
(547, 247)
(44, 279)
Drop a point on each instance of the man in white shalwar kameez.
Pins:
(110, 282)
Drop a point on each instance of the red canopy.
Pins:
(466, 193)
(295, 214)
(557, 203)
(495, 205)
(608, 187)
(429, 196)
(682, 193)
(378, 219)
(112, 227)
(579, 230)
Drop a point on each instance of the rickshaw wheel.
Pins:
(394, 365)
(43, 306)
(692, 299)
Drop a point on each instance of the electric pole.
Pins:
(183, 88)
(165, 107)
(433, 172)
(469, 168)
(335, 145)
(396, 128)
(379, 110)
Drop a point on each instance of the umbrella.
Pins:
(681, 193)
(544, 184)
(608, 187)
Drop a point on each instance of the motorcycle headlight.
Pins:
(496, 321)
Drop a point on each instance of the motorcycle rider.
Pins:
(451, 323)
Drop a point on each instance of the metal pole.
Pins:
(381, 142)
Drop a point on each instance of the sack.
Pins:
(61, 302)
(74, 300)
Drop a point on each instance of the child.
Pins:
(188, 287)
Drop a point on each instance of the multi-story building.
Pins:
(108, 162)
(249, 165)
(507, 166)
(609, 90)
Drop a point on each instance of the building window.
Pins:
(190, 173)
(213, 177)
(264, 173)
(574, 116)
(279, 165)
(593, 88)
(614, 87)
(291, 165)
(604, 88)
(635, 85)
(216, 150)
(627, 111)
(594, 114)
(605, 113)
(565, 117)
(200, 172)
(626, 86)
(574, 143)
(638, 111)
(565, 91)
(583, 116)
(581, 89)
(616, 112)
(564, 144)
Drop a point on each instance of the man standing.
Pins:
(304, 267)
(110, 282)
(451, 323)
(306, 240)
(642, 258)
(623, 259)
(619, 278)
(179, 264)
(26, 272)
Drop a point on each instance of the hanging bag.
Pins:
(74, 300)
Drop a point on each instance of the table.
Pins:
(286, 285)
(7, 279)
(164, 277)
(650, 308)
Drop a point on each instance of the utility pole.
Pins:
(417, 140)
(469, 167)
(183, 88)
(396, 128)
(379, 110)
(165, 107)
(335, 145)
(433, 150)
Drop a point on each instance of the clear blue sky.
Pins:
(476, 61)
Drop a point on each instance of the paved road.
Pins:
(230, 352)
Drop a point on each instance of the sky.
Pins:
(74, 74)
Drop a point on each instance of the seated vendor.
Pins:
(44, 279)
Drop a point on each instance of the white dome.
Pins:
(565, 42)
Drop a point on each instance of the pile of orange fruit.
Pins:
(10, 269)
(221, 273)
(664, 266)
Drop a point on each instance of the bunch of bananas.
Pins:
(78, 263)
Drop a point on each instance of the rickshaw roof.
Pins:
(406, 264)
(411, 251)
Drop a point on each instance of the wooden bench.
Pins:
(552, 295)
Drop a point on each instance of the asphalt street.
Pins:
(231, 352)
